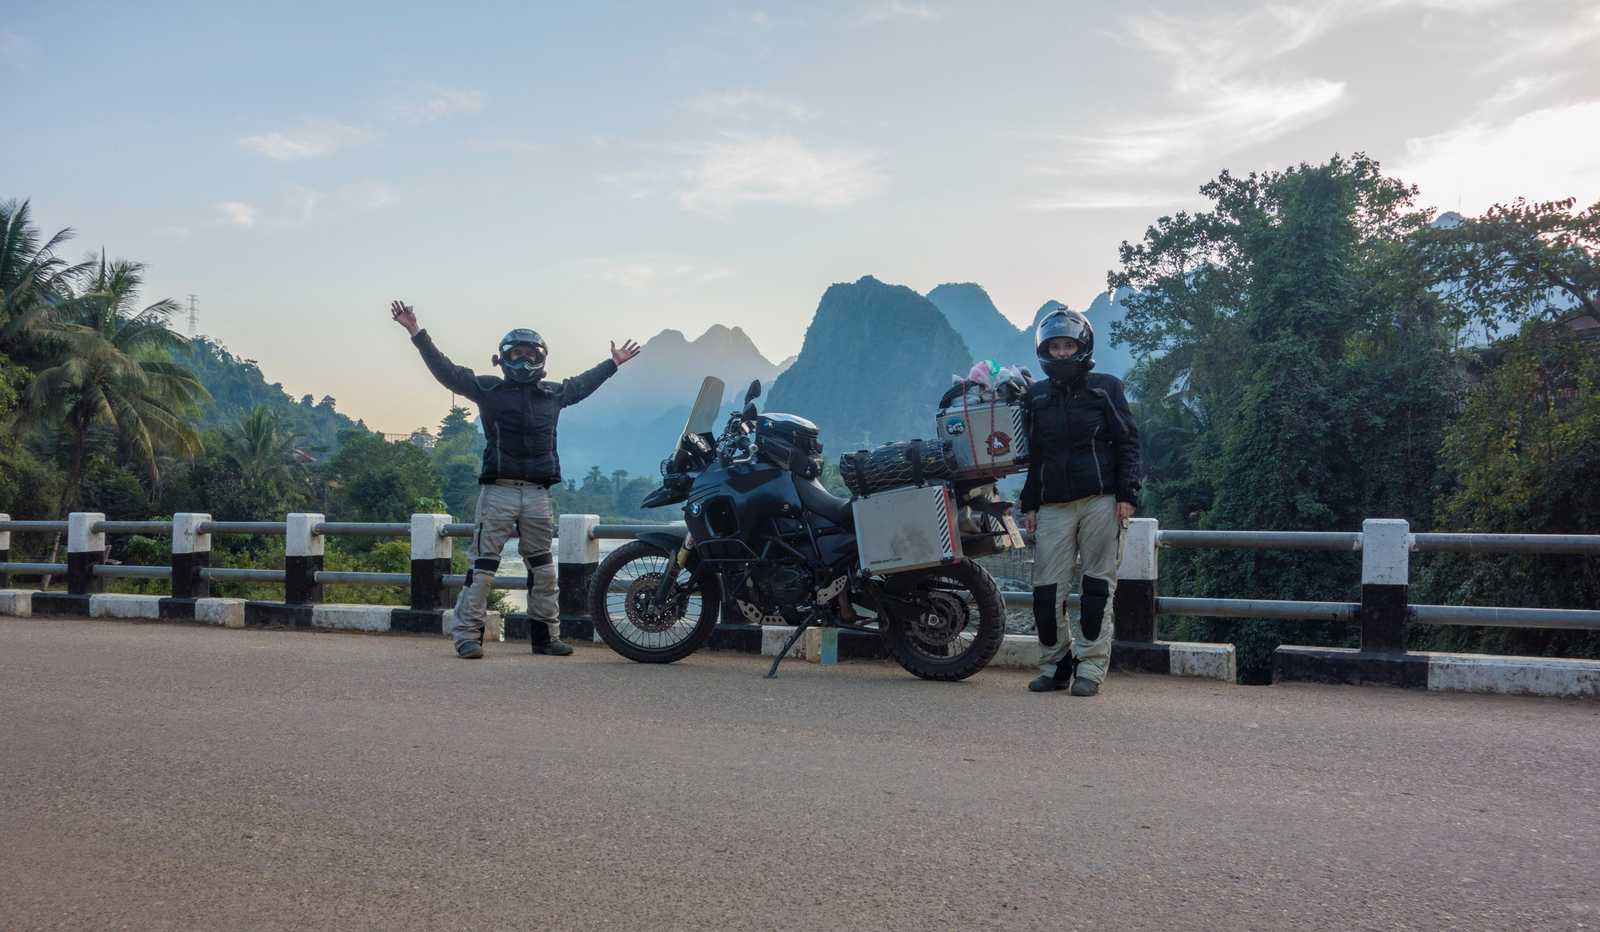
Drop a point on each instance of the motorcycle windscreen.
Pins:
(703, 416)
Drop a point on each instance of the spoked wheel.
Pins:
(632, 620)
(945, 623)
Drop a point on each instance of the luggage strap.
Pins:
(914, 451)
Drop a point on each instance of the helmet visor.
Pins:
(519, 351)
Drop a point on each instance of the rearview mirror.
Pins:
(754, 392)
(749, 411)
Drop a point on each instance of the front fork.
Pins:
(677, 561)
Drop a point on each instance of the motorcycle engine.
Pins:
(784, 584)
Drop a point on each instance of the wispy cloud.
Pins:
(236, 213)
(504, 144)
(655, 275)
(1220, 100)
(1096, 199)
(1541, 40)
(436, 103)
(311, 139)
(900, 9)
(368, 195)
(745, 104)
(1479, 163)
(742, 169)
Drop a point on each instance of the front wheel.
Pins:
(634, 623)
(945, 623)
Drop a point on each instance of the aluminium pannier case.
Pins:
(904, 462)
(989, 439)
(909, 528)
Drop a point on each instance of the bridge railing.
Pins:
(1384, 545)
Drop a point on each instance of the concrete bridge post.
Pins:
(191, 553)
(86, 549)
(1385, 576)
(430, 561)
(303, 550)
(1134, 605)
(5, 553)
(577, 558)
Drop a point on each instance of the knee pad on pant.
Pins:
(536, 561)
(1044, 614)
(1096, 592)
(482, 565)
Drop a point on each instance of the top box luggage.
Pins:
(988, 438)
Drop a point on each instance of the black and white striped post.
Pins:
(5, 553)
(430, 561)
(1134, 604)
(1383, 615)
(303, 550)
(577, 558)
(1385, 576)
(1135, 601)
(191, 553)
(86, 549)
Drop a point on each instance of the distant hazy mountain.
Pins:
(875, 361)
(986, 331)
(632, 421)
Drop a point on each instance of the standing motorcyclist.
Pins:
(519, 414)
(1082, 487)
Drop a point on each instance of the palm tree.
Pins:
(265, 453)
(34, 282)
(112, 370)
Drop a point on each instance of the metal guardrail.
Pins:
(28, 526)
(1565, 619)
(232, 574)
(341, 578)
(1349, 541)
(277, 528)
(362, 529)
(1588, 544)
(133, 572)
(34, 569)
(1257, 608)
(457, 530)
(131, 527)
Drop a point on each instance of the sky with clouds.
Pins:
(607, 170)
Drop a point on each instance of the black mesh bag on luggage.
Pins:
(904, 462)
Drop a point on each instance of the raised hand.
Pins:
(405, 316)
(629, 350)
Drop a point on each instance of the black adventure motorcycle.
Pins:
(767, 544)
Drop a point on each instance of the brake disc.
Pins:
(642, 609)
(942, 620)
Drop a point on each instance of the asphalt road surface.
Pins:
(171, 776)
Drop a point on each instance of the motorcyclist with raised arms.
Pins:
(519, 411)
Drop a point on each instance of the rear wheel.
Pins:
(630, 618)
(945, 623)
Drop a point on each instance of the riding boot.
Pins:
(543, 641)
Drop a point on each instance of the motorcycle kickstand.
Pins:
(798, 631)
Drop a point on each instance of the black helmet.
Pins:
(526, 369)
(1074, 326)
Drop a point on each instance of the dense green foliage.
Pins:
(1301, 369)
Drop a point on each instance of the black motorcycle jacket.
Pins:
(519, 420)
(1081, 441)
